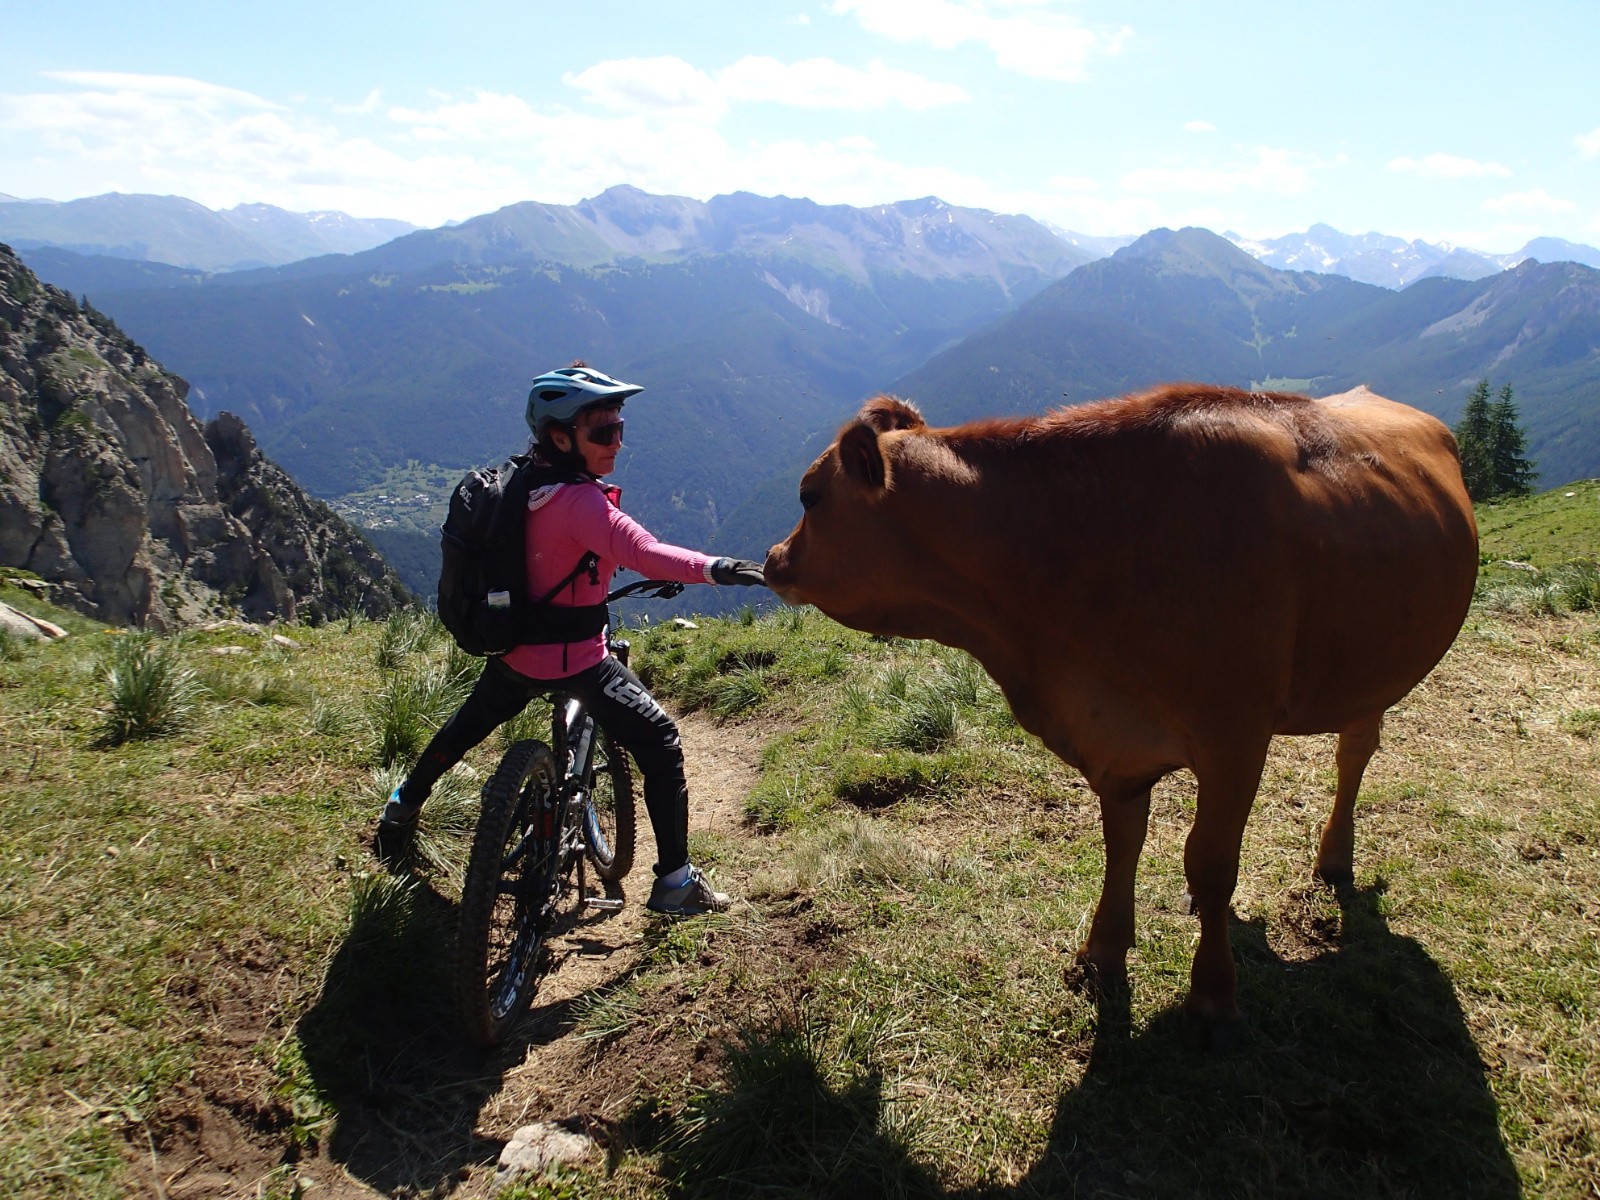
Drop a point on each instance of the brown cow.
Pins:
(1159, 581)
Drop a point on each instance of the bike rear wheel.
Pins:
(608, 813)
(515, 884)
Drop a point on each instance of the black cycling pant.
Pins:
(621, 705)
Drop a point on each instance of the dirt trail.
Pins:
(557, 1078)
(434, 1125)
(722, 762)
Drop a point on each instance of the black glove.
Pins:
(736, 570)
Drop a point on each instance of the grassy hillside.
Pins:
(213, 990)
(1543, 530)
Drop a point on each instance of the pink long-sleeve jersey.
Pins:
(565, 522)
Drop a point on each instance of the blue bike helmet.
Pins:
(559, 395)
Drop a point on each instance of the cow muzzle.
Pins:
(778, 571)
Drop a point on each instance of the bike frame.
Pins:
(573, 734)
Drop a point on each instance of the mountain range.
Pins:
(1393, 262)
(421, 348)
(758, 324)
(624, 223)
(1187, 304)
(181, 233)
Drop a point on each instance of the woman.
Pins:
(575, 414)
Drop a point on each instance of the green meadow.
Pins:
(213, 989)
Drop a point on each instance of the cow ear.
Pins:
(860, 455)
(888, 413)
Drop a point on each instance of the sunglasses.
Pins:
(608, 434)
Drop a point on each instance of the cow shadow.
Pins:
(382, 1049)
(1357, 1077)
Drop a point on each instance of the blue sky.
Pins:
(1476, 123)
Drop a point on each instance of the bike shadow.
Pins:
(1357, 1076)
(382, 1046)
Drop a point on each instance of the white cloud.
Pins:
(672, 87)
(1536, 201)
(1588, 144)
(1199, 127)
(1284, 172)
(1028, 39)
(1448, 166)
(823, 83)
(176, 86)
(372, 102)
(665, 85)
(221, 147)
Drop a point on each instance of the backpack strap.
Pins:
(548, 624)
(589, 562)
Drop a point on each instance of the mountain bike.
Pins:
(548, 811)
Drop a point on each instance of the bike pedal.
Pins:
(602, 902)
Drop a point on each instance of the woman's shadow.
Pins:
(383, 1046)
(1358, 1076)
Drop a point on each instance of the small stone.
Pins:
(279, 640)
(534, 1148)
(224, 651)
(684, 623)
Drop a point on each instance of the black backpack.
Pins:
(483, 578)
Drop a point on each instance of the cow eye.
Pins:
(809, 498)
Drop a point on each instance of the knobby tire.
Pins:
(507, 908)
(608, 815)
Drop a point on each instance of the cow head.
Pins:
(842, 555)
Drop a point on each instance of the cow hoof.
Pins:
(1220, 1024)
(1335, 877)
(1095, 982)
(1218, 1035)
(1223, 1036)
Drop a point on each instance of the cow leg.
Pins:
(1124, 818)
(1211, 865)
(1336, 857)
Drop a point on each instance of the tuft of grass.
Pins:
(444, 831)
(608, 1012)
(405, 633)
(1572, 587)
(872, 780)
(12, 646)
(408, 707)
(926, 719)
(334, 718)
(805, 1110)
(150, 692)
(737, 692)
(532, 723)
(258, 688)
(857, 852)
(1582, 722)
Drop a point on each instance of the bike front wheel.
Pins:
(515, 885)
(608, 813)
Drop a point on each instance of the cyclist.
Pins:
(575, 414)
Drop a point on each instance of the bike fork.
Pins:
(578, 752)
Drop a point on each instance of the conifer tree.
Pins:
(1473, 435)
(1511, 472)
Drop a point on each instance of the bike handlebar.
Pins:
(656, 589)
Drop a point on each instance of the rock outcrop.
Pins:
(112, 492)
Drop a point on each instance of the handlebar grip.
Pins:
(660, 589)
